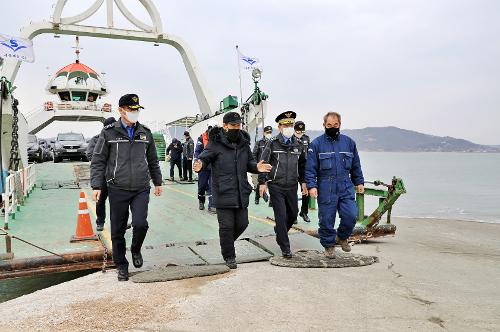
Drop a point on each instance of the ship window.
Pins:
(64, 95)
(92, 97)
(78, 95)
(70, 137)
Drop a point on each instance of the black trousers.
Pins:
(285, 206)
(232, 223)
(188, 169)
(174, 163)
(120, 201)
(304, 208)
(100, 205)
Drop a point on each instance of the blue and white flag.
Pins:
(16, 48)
(248, 62)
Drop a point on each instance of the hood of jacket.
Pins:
(216, 134)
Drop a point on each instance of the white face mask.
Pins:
(268, 136)
(288, 132)
(133, 116)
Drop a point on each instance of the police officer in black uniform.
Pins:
(300, 134)
(125, 158)
(100, 205)
(287, 156)
(257, 151)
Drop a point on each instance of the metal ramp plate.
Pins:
(246, 252)
(178, 272)
(317, 259)
(162, 256)
(298, 241)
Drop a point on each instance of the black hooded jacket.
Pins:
(175, 150)
(230, 164)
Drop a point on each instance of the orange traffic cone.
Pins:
(84, 229)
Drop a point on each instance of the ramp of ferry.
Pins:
(179, 233)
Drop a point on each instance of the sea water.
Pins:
(458, 186)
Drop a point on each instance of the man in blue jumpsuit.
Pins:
(333, 169)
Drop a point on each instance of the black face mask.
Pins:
(332, 132)
(233, 135)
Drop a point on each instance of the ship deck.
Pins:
(177, 227)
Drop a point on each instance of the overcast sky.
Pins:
(426, 65)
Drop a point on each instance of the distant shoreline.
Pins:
(449, 219)
(461, 152)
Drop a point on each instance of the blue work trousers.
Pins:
(346, 207)
(205, 186)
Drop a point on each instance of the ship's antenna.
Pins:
(77, 49)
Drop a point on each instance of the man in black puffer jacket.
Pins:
(228, 151)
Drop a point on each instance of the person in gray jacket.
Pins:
(100, 205)
(125, 158)
(187, 155)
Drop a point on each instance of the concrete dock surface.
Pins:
(434, 275)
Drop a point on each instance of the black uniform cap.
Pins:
(299, 126)
(231, 118)
(130, 100)
(268, 129)
(286, 117)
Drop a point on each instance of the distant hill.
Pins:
(393, 139)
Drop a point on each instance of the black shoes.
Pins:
(99, 227)
(305, 216)
(265, 197)
(257, 200)
(137, 259)
(122, 274)
(231, 263)
(202, 206)
(287, 254)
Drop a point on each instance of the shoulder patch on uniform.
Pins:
(111, 125)
(274, 138)
(310, 150)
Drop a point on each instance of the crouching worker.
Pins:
(228, 152)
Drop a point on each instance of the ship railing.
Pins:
(9, 198)
(29, 179)
(26, 179)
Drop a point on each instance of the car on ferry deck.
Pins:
(69, 146)
(35, 151)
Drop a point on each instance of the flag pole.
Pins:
(239, 73)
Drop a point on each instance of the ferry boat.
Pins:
(40, 202)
